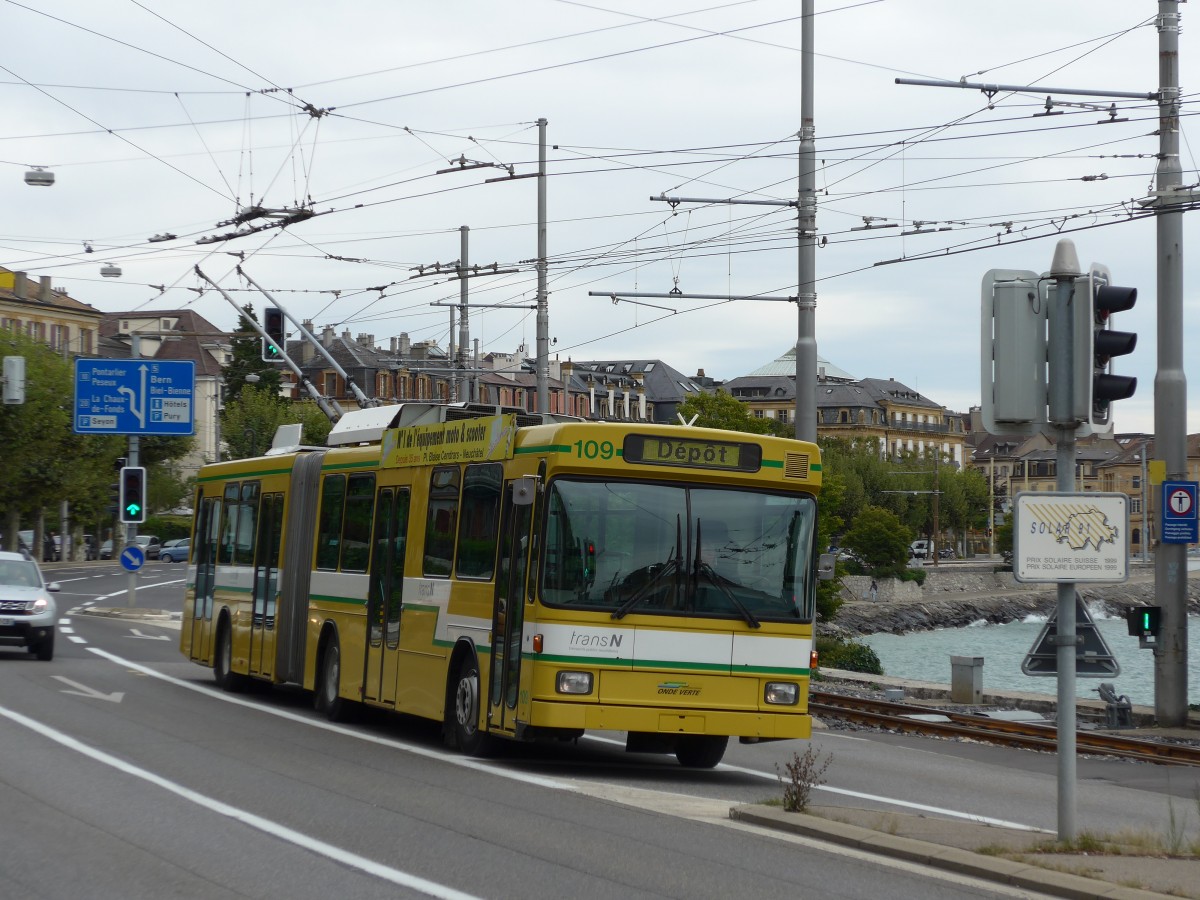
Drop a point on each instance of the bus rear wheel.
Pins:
(700, 751)
(468, 736)
(329, 682)
(223, 673)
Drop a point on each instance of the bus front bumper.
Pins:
(655, 720)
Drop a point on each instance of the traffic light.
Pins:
(14, 380)
(114, 495)
(1013, 352)
(273, 326)
(133, 495)
(1143, 621)
(1095, 346)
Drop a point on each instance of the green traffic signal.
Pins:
(133, 495)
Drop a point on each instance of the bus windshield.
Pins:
(631, 547)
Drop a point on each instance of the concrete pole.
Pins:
(1170, 382)
(1064, 270)
(806, 288)
(543, 306)
(464, 331)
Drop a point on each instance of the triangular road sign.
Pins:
(1092, 656)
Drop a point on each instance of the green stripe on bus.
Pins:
(366, 464)
(242, 476)
(329, 598)
(544, 448)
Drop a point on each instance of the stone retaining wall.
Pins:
(954, 600)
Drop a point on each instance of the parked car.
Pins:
(175, 551)
(27, 611)
(106, 550)
(150, 545)
(50, 546)
(919, 549)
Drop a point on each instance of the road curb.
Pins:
(963, 862)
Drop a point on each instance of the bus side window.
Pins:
(441, 522)
(479, 524)
(356, 528)
(243, 547)
(228, 533)
(333, 499)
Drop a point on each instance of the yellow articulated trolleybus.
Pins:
(517, 576)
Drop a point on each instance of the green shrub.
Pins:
(850, 656)
(917, 575)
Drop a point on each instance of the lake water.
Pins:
(925, 656)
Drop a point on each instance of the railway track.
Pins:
(1026, 735)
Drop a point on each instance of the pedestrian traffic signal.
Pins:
(273, 326)
(1096, 344)
(133, 495)
(1143, 621)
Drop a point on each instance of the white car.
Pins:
(27, 611)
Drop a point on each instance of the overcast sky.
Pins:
(169, 118)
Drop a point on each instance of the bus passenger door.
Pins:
(207, 528)
(386, 594)
(508, 613)
(266, 584)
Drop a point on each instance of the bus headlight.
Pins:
(782, 693)
(574, 682)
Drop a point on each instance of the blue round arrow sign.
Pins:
(133, 557)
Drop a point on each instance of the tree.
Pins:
(722, 410)
(880, 540)
(249, 422)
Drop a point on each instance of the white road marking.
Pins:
(82, 690)
(274, 829)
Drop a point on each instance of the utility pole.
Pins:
(459, 362)
(1170, 382)
(543, 308)
(806, 288)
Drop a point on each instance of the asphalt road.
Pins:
(128, 774)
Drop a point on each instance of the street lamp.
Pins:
(39, 176)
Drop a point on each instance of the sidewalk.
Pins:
(986, 852)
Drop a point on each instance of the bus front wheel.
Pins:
(469, 737)
(700, 751)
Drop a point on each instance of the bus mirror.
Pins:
(826, 565)
(524, 490)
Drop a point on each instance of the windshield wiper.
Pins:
(710, 573)
(670, 567)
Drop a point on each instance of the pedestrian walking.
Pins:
(874, 591)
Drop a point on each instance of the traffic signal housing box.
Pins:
(273, 326)
(1013, 336)
(1144, 623)
(1095, 344)
(132, 502)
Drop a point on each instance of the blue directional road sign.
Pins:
(1179, 519)
(135, 396)
(133, 557)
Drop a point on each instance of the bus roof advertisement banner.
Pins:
(461, 441)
